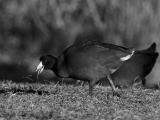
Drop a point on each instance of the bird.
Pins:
(136, 68)
(88, 61)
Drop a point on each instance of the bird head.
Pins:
(46, 62)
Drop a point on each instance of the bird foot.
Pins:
(116, 93)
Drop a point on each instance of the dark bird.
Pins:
(136, 68)
(89, 61)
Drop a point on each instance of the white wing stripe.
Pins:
(128, 56)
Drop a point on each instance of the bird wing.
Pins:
(94, 53)
(112, 58)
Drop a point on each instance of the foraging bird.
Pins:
(89, 61)
(138, 67)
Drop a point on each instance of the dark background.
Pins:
(31, 28)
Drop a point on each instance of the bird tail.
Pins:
(151, 49)
(149, 83)
(149, 64)
(151, 59)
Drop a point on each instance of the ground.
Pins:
(24, 101)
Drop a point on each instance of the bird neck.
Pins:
(60, 69)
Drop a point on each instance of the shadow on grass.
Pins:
(21, 74)
(24, 91)
(14, 72)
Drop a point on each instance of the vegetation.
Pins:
(50, 101)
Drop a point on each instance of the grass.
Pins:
(68, 102)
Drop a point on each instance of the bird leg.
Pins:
(91, 84)
(111, 83)
(115, 92)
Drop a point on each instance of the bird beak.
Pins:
(40, 68)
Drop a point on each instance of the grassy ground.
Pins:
(67, 102)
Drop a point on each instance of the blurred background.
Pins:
(31, 28)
